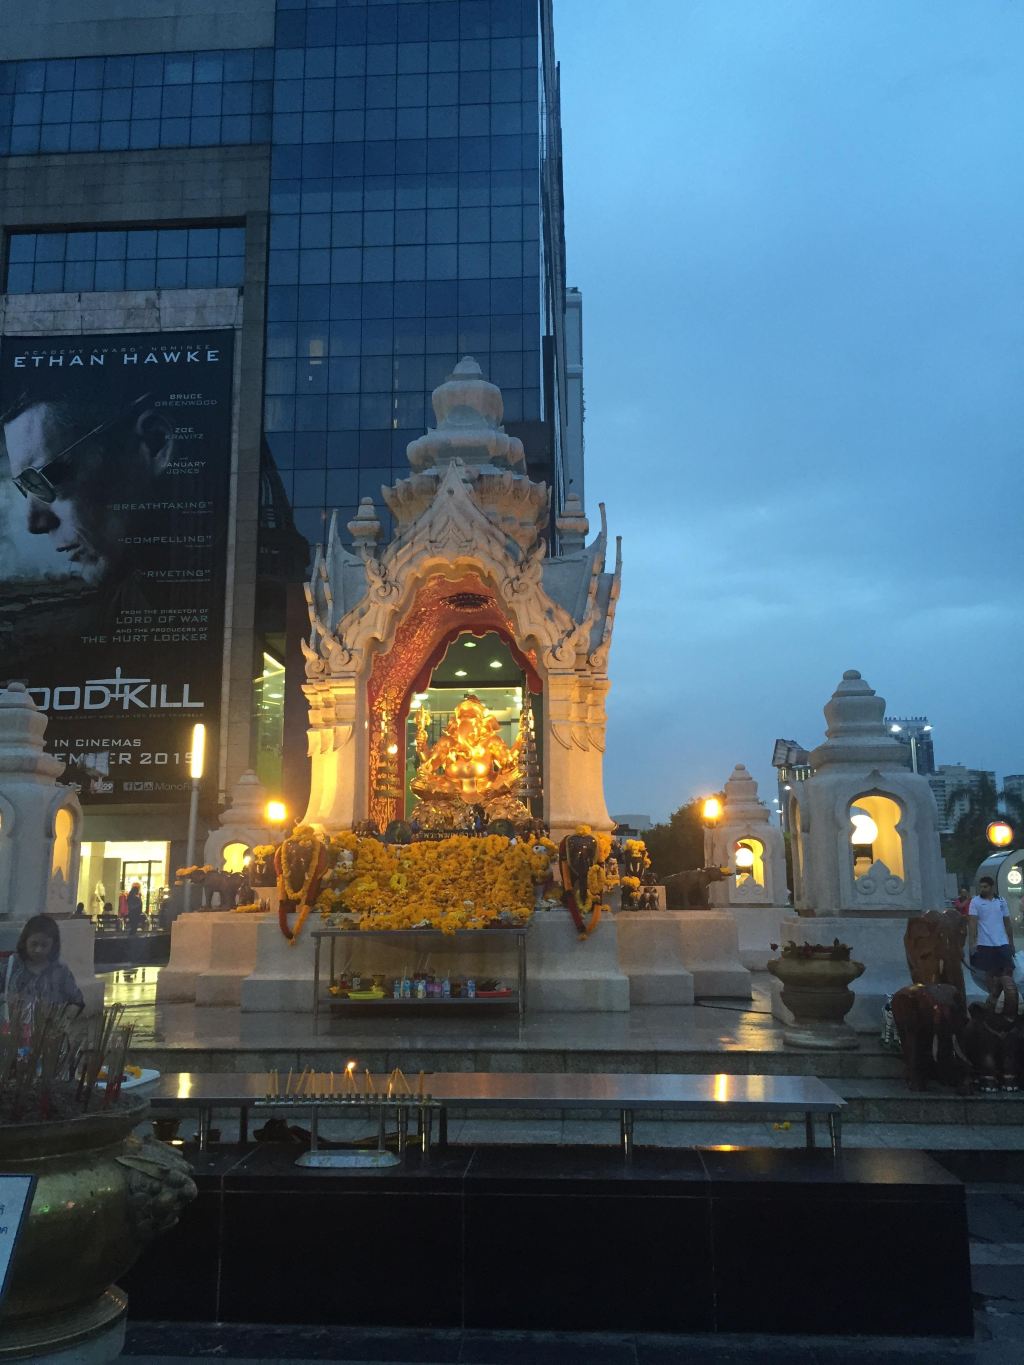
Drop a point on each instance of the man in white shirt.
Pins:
(991, 938)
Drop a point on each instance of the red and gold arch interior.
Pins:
(442, 610)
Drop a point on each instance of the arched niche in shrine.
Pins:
(748, 859)
(876, 837)
(63, 844)
(235, 857)
(454, 640)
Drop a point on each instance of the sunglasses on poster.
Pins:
(43, 482)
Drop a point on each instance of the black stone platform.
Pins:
(569, 1239)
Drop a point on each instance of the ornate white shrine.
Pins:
(241, 827)
(866, 854)
(469, 553)
(865, 828)
(746, 841)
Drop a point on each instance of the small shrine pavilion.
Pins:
(457, 670)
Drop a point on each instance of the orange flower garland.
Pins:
(452, 884)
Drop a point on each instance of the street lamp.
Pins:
(711, 812)
(999, 834)
(195, 770)
(276, 812)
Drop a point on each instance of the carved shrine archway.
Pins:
(442, 609)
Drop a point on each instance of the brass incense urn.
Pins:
(101, 1195)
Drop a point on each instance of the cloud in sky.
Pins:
(799, 232)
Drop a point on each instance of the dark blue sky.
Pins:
(798, 226)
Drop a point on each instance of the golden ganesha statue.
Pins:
(469, 766)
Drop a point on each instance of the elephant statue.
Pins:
(577, 854)
(930, 1019)
(689, 890)
(939, 1038)
(994, 1043)
(930, 1014)
(225, 884)
(934, 944)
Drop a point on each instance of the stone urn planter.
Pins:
(816, 990)
(101, 1195)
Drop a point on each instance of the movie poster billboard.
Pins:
(115, 454)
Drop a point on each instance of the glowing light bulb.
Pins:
(865, 831)
(460, 672)
(999, 834)
(712, 809)
(495, 663)
(744, 856)
(276, 812)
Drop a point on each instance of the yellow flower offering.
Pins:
(455, 883)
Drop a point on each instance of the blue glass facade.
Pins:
(409, 215)
(98, 104)
(116, 259)
(405, 231)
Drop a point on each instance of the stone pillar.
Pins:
(337, 711)
(40, 839)
(756, 898)
(574, 722)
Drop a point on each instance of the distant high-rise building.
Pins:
(953, 785)
(1013, 786)
(916, 733)
(792, 762)
(632, 823)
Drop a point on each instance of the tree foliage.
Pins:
(967, 847)
(678, 846)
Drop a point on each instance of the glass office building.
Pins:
(363, 192)
(407, 228)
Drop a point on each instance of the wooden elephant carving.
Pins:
(994, 1043)
(929, 1019)
(930, 1015)
(934, 945)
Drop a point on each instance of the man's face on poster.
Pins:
(70, 473)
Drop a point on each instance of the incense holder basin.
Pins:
(101, 1194)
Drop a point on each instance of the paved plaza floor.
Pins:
(732, 1035)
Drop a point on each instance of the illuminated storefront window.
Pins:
(110, 867)
(268, 698)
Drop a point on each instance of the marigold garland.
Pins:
(452, 884)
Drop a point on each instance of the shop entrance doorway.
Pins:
(110, 867)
